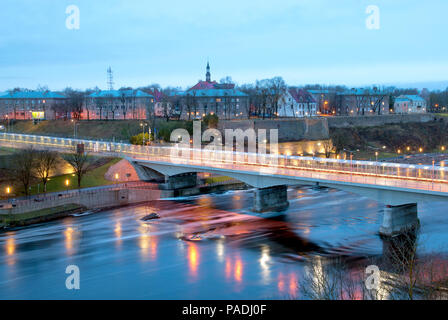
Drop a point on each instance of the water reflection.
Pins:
(264, 263)
(193, 259)
(238, 269)
(220, 250)
(10, 250)
(118, 233)
(69, 235)
(148, 242)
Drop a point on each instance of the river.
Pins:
(203, 247)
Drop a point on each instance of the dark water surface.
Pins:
(204, 247)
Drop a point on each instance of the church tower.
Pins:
(207, 75)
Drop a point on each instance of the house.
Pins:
(296, 103)
(325, 100)
(410, 104)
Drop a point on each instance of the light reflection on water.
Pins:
(205, 247)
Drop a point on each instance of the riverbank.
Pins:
(8, 221)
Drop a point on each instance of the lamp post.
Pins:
(143, 125)
(75, 123)
(376, 162)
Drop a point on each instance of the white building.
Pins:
(296, 103)
(410, 104)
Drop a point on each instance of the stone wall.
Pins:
(373, 121)
(94, 198)
(318, 128)
(288, 129)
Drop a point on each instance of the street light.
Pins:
(376, 163)
(67, 183)
(75, 123)
(8, 190)
(143, 125)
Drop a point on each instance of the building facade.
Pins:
(28, 105)
(210, 97)
(362, 102)
(410, 104)
(296, 103)
(118, 105)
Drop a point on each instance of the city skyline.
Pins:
(304, 42)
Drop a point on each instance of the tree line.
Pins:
(31, 164)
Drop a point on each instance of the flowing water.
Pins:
(203, 247)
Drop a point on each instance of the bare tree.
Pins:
(45, 165)
(23, 167)
(328, 147)
(80, 162)
(75, 101)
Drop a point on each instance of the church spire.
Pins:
(207, 75)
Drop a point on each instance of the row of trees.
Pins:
(30, 164)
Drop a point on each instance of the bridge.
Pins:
(400, 187)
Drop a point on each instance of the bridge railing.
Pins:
(265, 162)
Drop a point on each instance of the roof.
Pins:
(319, 91)
(361, 92)
(214, 93)
(158, 95)
(411, 97)
(120, 93)
(201, 85)
(301, 95)
(31, 95)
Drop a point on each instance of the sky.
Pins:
(169, 42)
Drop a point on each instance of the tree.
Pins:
(45, 165)
(328, 147)
(80, 162)
(339, 141)
(75, 101)
(211, 121)
(23, 167)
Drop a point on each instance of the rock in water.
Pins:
(150, 216)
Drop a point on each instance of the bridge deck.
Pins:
(429, 178)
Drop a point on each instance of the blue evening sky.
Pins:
(168, 42)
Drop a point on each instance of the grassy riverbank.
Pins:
(23, 219)
(93, 178)
(63, 172)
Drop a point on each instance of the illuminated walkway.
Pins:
(389, 183)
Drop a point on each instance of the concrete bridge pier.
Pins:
(399, 220)
(180, 181)
(271, 199)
